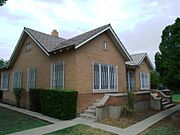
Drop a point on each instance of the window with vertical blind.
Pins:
(144, 79)
(130, 76)
(4, 81)
(31, 78)
(57, 75)
(17, 79)
(105, 77)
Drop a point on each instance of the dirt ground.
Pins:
(124, 122)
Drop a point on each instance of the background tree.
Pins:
(167, 61)
(155, 79)
(3, 63)
(2, 2)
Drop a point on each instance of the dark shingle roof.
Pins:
(51, 43)
(47, 41)
(81, 38)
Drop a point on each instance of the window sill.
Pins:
(104, 91)
(4, 89)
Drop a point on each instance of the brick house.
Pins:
(94, 63)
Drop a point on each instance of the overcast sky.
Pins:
(138, 23)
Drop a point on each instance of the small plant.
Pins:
(17, 93)
(128, 108)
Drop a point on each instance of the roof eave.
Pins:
(126, 54)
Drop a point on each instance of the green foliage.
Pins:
(128, 108)
(17, 93)
(2, 2)
(60, 104)
(34, 100)
(3, 63)
(155, 79)
(167, 60)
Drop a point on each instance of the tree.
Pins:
(3, 63)
(155, 79)
(2, 2)
(167, 61)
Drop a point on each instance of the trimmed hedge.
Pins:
(34, 100)
(60, 104)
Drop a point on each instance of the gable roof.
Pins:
(50, 44)
(138, 59)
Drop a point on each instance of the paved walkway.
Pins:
(59, 124)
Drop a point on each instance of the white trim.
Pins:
(148, 84)
(5, 89)
(52, 73)
(91, 38)
(117, 39)
(37, 42)
(27, 84)
(145, 55)
(115, 79)
(121, 45)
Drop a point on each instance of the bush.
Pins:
(128, 108)
(34, 100)
(1, 95)
(59, 103)
(17, 93)
(55, 103)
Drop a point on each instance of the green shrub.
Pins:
(128, 108)
(17, 93)
(61, 104)
(34, 100)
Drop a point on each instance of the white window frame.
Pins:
(7, 81)
(19, 77)
(100, 90)
(28, 79)
(53, 74)
(130, 81)
(147, 80)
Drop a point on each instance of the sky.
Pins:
(138, 23)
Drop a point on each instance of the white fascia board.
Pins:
(117, 39)
(119, 42)
(150, 63)
(37, 42)
(16, 47)
(91, 38)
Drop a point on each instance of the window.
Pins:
(28, 47)
(4, 81)
(144, 78)
(105, 45)
(17, 79)
(31, 78)
(57, 75)
(105, 77)
(130, 76)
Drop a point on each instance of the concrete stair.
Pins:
(90, 113)
(166, 104)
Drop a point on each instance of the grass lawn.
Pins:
(11, 121)
(176, 98)
(124, 122)
(167, 126)
(80, 130)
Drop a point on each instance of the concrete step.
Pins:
(168, 106)
(90, 111)
(163, 100)
(98, 100)
(88, 116)
(91, 107)
(165, 103)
